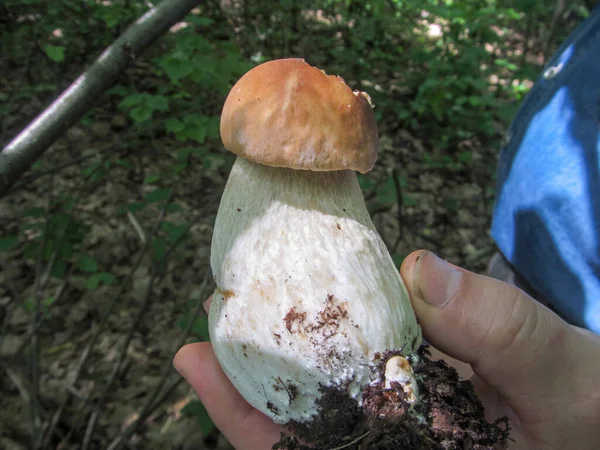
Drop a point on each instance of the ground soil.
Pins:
(449, 415)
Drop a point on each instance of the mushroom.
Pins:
(307, 295)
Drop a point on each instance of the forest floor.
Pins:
(449, 213)
(445, 208)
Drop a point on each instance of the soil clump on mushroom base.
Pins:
(449, 415)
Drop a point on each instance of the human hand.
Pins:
(245, 427)
(529, 364)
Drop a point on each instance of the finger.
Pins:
(464, 370)
(511, 341)
(206, 304)
(244, 426)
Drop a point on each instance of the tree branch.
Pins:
(30, 144)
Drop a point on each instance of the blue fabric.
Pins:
(546, 218)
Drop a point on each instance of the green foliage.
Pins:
(199, 327)
(45, 304)
(55, 52)
(99, 279)
(87, 263)
(7, 243)
(452, 72)
(53, 236)
(195, 409)
(142, 106)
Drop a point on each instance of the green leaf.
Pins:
(197, 133)
(386, 193)
(31, 250)
(66, 249)
(118, 90)
(180, 167)
(159, 247)
(212, 161)
(100, 278)
(158, 102)
(176, 68)
(174, 208)
(55, 52)
(183, 153)
(110, 14)
(34, 212)
(151, 179)
(397, 258)
(195, 409)
(132, 100)
(59, 269)
(136, 206)
(174, 125)
(174, 231)
(465, 157)
(141, 113)
(409, 200)
(199, 327)
(157, 195)
(87, 263)
(198, 128)
(60, 221)
(8, 243)
(365, 182)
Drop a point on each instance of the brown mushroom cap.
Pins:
(286, 113)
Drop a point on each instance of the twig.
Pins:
(151, 403)
(72, 104)
(89, 429)
(351, 443)
(137, 227)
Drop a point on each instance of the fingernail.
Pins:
(174, 362)
(436, 282)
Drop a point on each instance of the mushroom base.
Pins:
(449, 415)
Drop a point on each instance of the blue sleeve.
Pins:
(546, 219)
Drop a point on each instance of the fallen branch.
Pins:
(32, 142)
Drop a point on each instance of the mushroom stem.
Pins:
(307, 293)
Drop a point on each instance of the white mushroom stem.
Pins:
(307, 293)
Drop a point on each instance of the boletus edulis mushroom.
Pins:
(310, 319)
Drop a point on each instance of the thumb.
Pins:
(511, 341)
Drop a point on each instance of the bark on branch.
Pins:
(30, 144)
